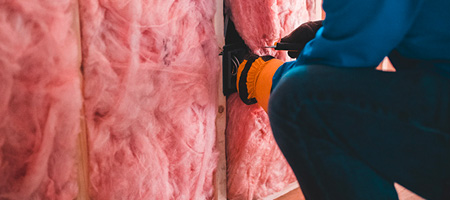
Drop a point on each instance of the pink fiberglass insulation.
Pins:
(256, 167)
(263, 22)
(405, 194)
(151, 70)
(40, 99)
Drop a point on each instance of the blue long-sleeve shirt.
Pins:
(359, 33)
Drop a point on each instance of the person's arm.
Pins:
(359, 33)
(255, 74)
(354, 34)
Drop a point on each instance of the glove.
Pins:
(254, 79)
(302, 35)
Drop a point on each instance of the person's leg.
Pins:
(349, 133)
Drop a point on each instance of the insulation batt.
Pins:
(40, 99)
(263, 22)
(256, 167)
(151, 70)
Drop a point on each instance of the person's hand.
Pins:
(302, 35)
(254, 79)
(246, 76)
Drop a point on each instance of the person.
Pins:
(347, 130)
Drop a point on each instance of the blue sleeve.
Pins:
(359, 33)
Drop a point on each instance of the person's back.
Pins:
(427, 41)
(360, 33)
(429, 35)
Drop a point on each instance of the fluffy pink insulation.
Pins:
(405, 194)
(40, 99)
(256, 167)
(263, 22)
(151, 70)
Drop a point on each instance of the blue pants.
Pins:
(350, 133)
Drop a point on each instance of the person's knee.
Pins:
(285, 104)
(285, 94)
